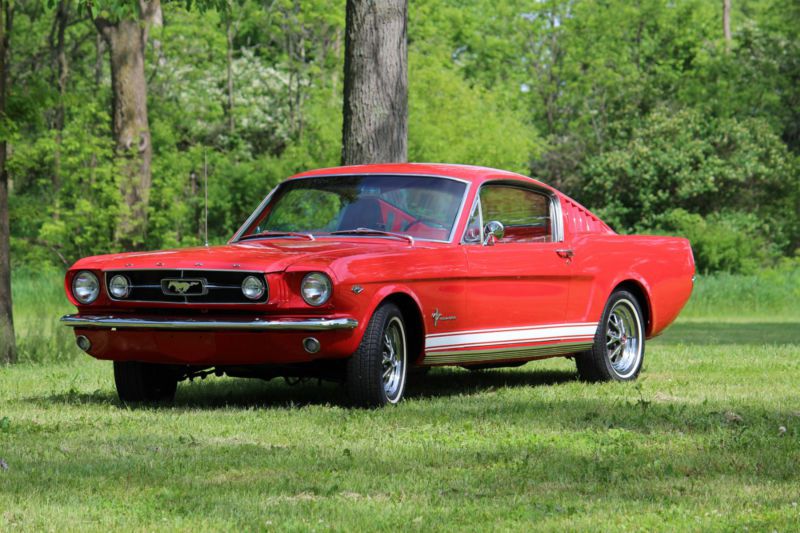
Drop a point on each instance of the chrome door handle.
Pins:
(566, 253)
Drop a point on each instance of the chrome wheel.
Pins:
(393, 359)
(624, 338)
(376, 372)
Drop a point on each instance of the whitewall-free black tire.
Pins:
(618, 350)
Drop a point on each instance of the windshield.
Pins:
(421, 207)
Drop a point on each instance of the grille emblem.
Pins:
(183, 287)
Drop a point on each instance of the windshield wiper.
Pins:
(370, 231)
(267, 234)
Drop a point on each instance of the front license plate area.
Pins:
(188, 346)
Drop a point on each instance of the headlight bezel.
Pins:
(93, 294)
(111, 287)
(320, 280)
(263, 288)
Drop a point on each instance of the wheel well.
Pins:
(412, 316)
(638, 291)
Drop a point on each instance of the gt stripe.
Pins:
(510, 336)
(533, 342)
(518, 328)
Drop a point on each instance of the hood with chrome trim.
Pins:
(266, 255)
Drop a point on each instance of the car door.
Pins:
(518, 283)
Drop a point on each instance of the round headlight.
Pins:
(253, 287)
(316, 288)
(85, 287)
(119, 286)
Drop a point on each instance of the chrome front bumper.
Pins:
(308, 324)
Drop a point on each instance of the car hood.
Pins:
(267, 256)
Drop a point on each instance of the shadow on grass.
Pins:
(452, 382)
(276, 394)
(708, 333)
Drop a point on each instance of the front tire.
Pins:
(618, 350)
(144, 382)
(376, 373)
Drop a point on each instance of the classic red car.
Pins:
(363, 273)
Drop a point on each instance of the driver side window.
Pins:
(524, 213)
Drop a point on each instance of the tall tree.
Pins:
(8, 350)
(126, 38)
(375, 126)
(726, 22)
(57, 46)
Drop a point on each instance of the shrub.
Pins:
(731, 242)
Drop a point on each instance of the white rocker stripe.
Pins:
(510, 336)
(519, 328)
(533, 342)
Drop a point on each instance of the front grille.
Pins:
(220, 286)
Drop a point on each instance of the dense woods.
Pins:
(679, 117)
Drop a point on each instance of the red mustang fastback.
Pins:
(361, 274)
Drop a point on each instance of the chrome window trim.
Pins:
(253, 216)
(556, 215)
(237, 236)
(476, 204)
(557, 219)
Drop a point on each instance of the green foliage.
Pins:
(79, 218)
(453, 122)
(723, 242)
(736, 173)
(637, 109)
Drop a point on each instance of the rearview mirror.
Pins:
(492, 231)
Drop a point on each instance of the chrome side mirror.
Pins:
(492, 231)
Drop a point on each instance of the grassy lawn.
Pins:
(707, 439)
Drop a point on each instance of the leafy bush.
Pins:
(452, 122)
(703, 165)
(722, 242)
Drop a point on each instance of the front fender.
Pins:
(384, 292)
(371, 297)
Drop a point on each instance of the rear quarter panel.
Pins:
(663, 267)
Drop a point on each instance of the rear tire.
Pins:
(144, 382)
(618, 350)
(376, 373)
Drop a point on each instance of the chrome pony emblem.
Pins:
(437, 316)
(183, 287)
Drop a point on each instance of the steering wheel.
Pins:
(428, 222)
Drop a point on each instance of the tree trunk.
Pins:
(375, 82)
(62, 70)
(229, 71)
(126, 40)
(8, 344)
(726, 23)
(100, 50)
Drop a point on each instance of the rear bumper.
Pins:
(193, 324)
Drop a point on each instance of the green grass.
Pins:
(707, 439)
(39, 301)
(772, 294)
